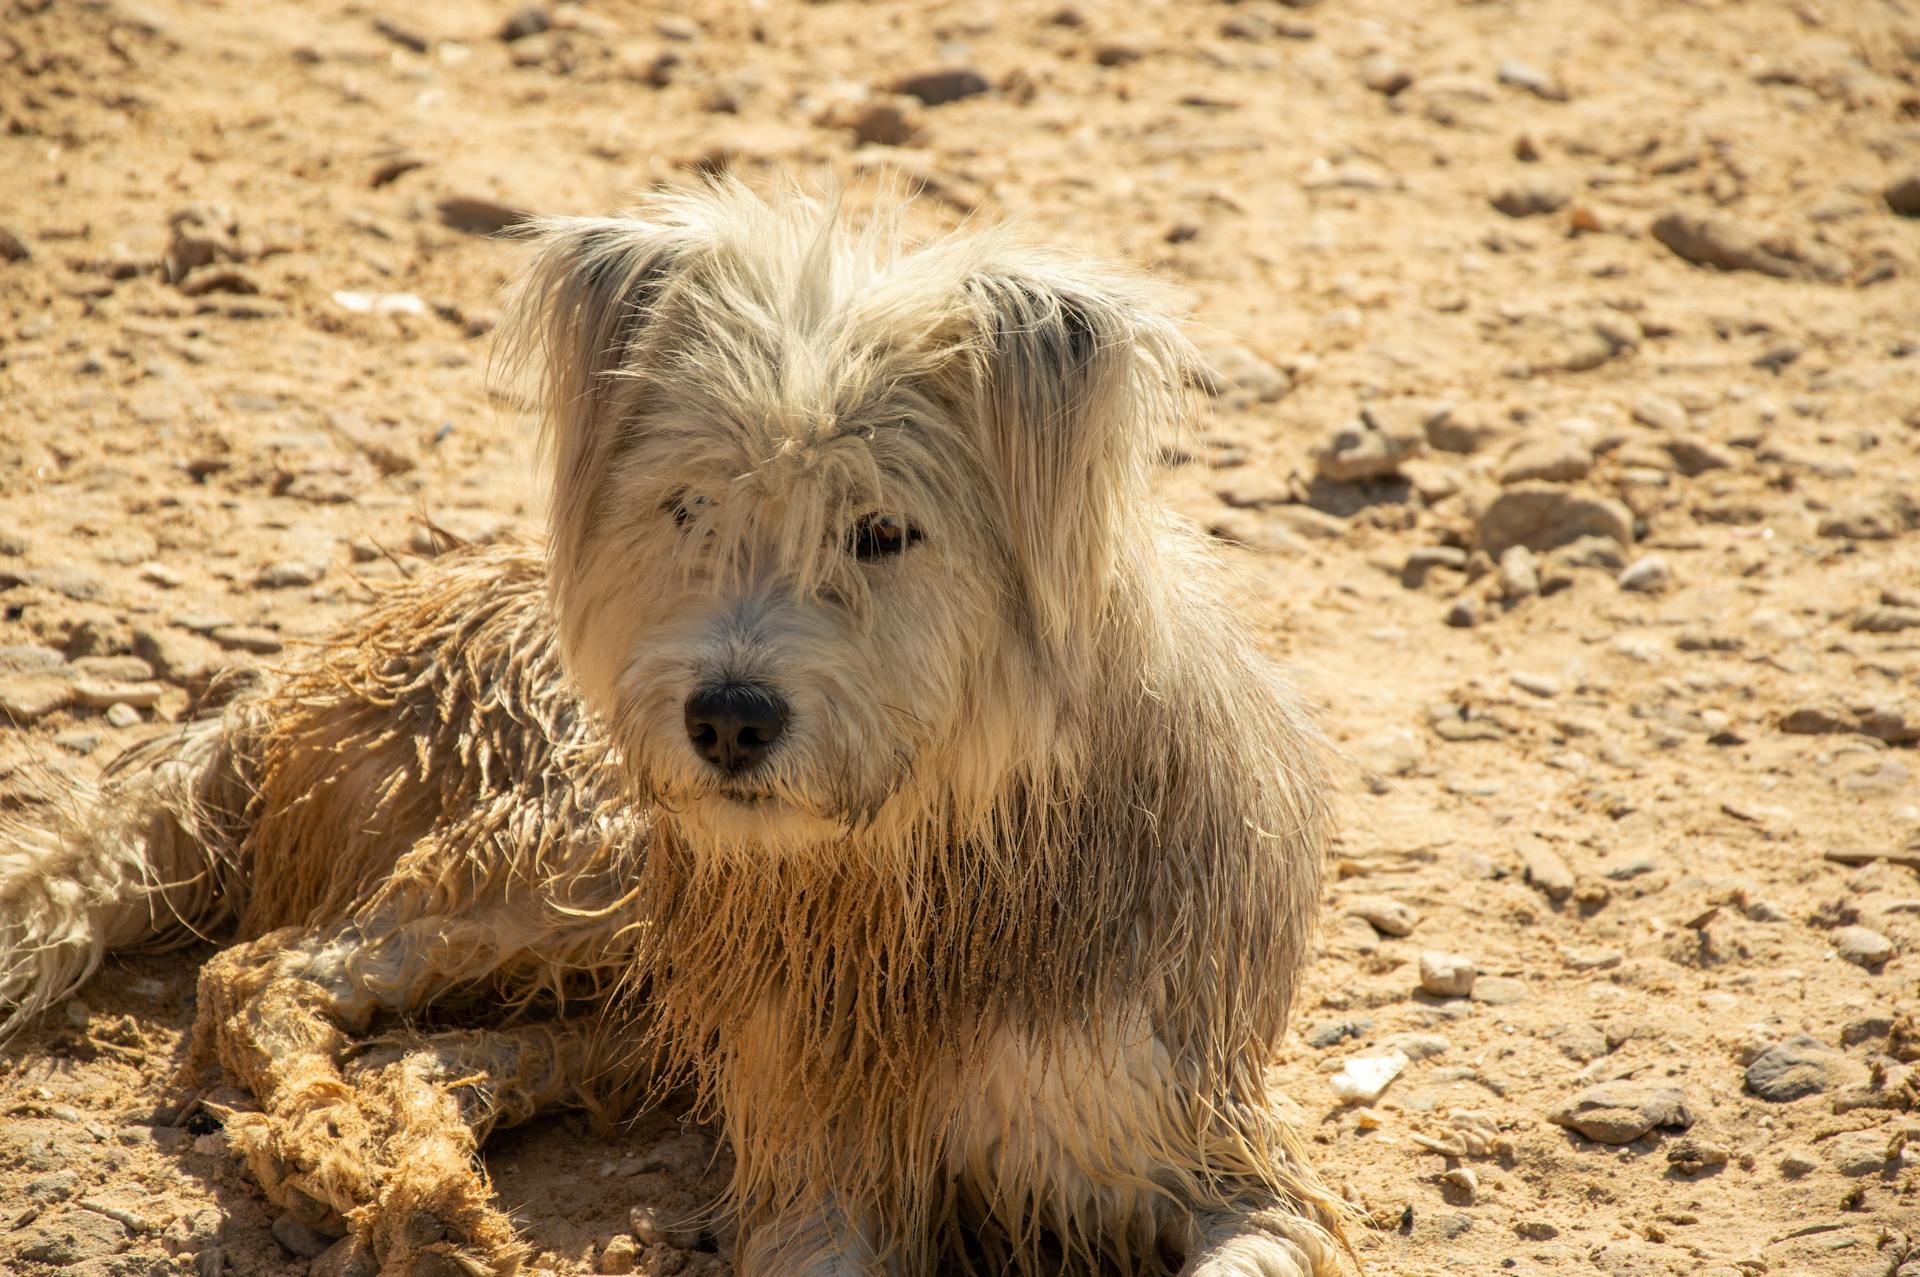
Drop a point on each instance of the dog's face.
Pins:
(833, 523)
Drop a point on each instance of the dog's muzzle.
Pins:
(734, 725)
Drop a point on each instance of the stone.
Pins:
(1117, 53)
(1499, 990)
(1879, 517)
(1648, 575)
(1696, 456)
(122, 715)
(1592, 959)
(1233, 373)
(26, 698)
(1464, 612)
(1446, 975)
(1554, 458)
(1523, 75)
(886, 119)
(619, 1255)
(248, 638)
(941, 86)
(1857, 1153)
(348, 1257)
(528, 20)
(1862, 946)
(1530, 197)
(1416, 1046)
(1362, 1079)
(1535, 1230)
(1886, 620)
(1330, 1033)
(1902, 196)
(12, 247)
(191, 1233)
(97, 694)
(1867, 1028)
(30, 658)
(1543, 867)
(1385, 75)
(1545, 516)
(299, 1240)
(479, 215)
(288, 574)
(1388, 917)
(1422, 560)
(1662, 412)
(1796, 1162)
(178, 656)
(1793, 1069)
(1519, 574)
(1691, 1154)
(1374, 446)
(1725, 245)
(1895, 722)
(70, 1237)
(1620, 1112)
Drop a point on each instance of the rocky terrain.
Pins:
(1564, 420)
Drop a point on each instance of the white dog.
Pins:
(867, 747)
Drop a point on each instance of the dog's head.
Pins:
(835, 520)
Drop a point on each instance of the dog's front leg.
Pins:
(1269, 1242)
(820, 1243)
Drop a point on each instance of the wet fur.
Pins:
(989, 967)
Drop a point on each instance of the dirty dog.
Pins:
(866, 754)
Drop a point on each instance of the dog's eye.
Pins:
(879, 535)
(684, 507)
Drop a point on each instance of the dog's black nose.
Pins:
(733, 725)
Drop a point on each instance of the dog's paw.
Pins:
(1251, 1255)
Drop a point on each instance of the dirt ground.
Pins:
(1566, 428)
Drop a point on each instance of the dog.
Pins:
(866, 754)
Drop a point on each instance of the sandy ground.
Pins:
(1624, 284)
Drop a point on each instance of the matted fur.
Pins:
(984, 963)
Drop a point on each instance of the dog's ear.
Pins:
(577, 319)
(1081, 371)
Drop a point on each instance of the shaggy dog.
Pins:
(866, 749)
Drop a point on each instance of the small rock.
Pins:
(288, 574)
(1592, 959)
(1796, 1162)
(1622, 1111)
(1240, 377)
(939, 87)
(1333, 1032)
(1886, 620)
(70, 1237)
(887, 119)
(1535, 1230)
(1460, 430)
(1530, 198)
(1902, 196)
(1552, 459)
(1545, 516)
(530, 20)
(1539, 685)
(1544, 868)
(1862, 946)
(1372, 447)
(1463, 613)
(1696, 456)
(1519, 574)
(194, 1232)
(1792, 1070)
(619, 1255)
(12, 247)
(1385, 75)
(1522, 75)
(1661, 412)
(1388, 917)
(1857, 1153)
(1446, 975)
(1416, 1046)
(1117, 53)
(248, 638)
(1648, 575)
(26, 698)
(1718, 242)
(348, 1257)
(1873, 518)
(1362, 1079)
(1499, 990)
(121, 714)
(1424, 559)
(97, 694)
(1691, 1154)
(299, 1240)
(478, 215)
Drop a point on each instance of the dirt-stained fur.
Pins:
(867, 749)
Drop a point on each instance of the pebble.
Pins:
(97, 694)
(25, 698)
(1856, 1153)
(299, 1240)
(1446, 975)
(1117, 53)
(1235, 374)
(1329, 1033)
(1726, 245)
(1620, 1112)
(1523, 75)
(348, 1257)
(1902, 196)
(888, 119)
(248, 638)
(1793, 1069)
(1552, 459)
(1592, 959)
(1540, 685)
(1796, 1162)
(1464, 612)
(1648, 575)
(192, 1233)
(939, 87)
(1385, 75)
(1530, 198)
(1544, 868)
(1886, 620)
(1499, 990)
(1691, 1154)
(530, 20)
(479, 215)
(70, 1237)
(619, 1255)
(1661, 412)
(1416, 1046)
(1519, 574)
(288, 574)
(1388, 917)
(1696, 456)
(1862, 946)
(12, 247)
(121, 714)
(1545, 516)
(1374, 446)
(1362, 1079)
